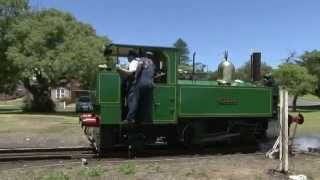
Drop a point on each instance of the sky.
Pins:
(274, 27)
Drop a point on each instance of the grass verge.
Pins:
(310, 97)
(311, 123)
(127, 168)
(59, 175)
(91, 171)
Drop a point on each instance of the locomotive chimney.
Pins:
(255, 66)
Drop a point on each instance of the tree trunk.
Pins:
(40, 100)
(294, 103)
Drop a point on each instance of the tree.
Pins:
(182, 46)
(10, 10)
(244, 71)
(49, 47)
(13, 8)
(296, 80)
(292, 57)
(311, 60)
(200, 67)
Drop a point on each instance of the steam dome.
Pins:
(226, 69)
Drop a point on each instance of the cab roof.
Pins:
(122, 50)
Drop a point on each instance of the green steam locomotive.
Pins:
(188, 110)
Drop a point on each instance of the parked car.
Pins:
(84, 104)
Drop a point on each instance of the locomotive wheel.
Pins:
(136, 141)
(245, 138)
(192, 133)
(188, 135)
(261, 136)
(173, 139)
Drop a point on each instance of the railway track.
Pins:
(46, 153)
(28, 154)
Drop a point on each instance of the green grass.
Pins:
(127, 168)
(67, 172)
(311, 123)
(11, 106)
(310, 97)
(60, 175)
(9, 109)
(91, 171)
(15, 102)
(36, 123)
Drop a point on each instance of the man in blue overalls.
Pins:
(144, 88)
(140, 98)
(140, 88)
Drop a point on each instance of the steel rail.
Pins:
(45, 153)
(57, 149)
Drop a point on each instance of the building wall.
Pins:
(60, 93)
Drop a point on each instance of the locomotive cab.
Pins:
(165, 70)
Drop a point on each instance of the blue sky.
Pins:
(274, 27)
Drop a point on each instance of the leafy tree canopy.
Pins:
(55, 45)
(295, 79)
(184, 51)
(244, 71)
(49, 46)
(311, 60)
(10, 10)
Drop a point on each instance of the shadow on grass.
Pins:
(308, 108)
(10, 110)
(19, 111)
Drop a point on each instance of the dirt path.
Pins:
(233, 166)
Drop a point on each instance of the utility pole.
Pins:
(284, 139)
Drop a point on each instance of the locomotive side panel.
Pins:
(164, 109)
(215, 101)
(108, 94)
